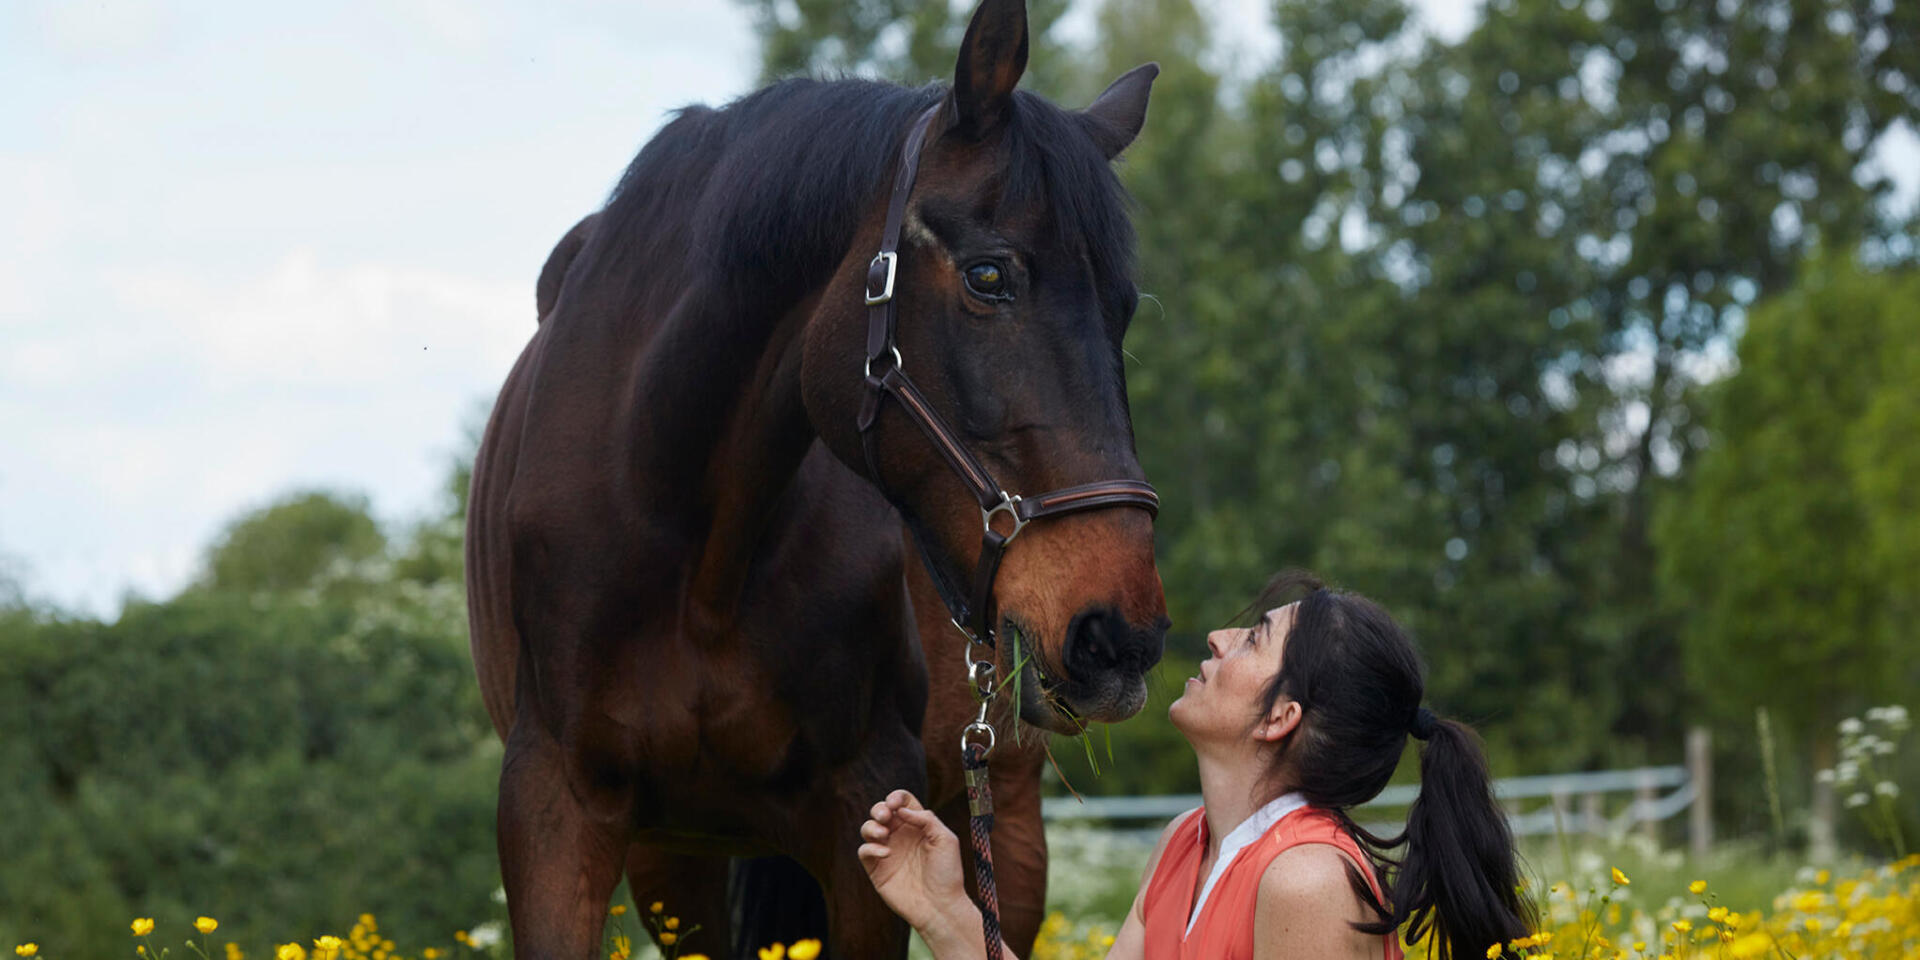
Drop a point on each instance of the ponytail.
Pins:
(1359, 685)
(1457, 879)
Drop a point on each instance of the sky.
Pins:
(250, 248)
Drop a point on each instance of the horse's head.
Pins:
(1013, 290)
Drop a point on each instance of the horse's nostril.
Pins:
(1096, 642)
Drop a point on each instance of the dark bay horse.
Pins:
(705, 625)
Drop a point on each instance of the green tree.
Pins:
(1770, 551)
(282, 747)
(293, 543)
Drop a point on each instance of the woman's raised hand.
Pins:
(913, 860)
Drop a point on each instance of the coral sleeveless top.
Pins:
(1220, 925)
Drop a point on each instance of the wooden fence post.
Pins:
(1700, 771)
(1643, 801)
(1593, 818)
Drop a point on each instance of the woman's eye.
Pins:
(988, 281)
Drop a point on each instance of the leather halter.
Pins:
(886, 376)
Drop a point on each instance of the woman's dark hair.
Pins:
(1359, 684)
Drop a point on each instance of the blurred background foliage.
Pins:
(1587, 343)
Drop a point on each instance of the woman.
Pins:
(1293, 721)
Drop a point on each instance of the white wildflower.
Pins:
(1856, 800)
(1887, 788)
(485, 935)
(1851, 727)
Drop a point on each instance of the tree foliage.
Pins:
(1785, 545)
(283, 748)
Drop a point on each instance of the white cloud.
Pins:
(253, 247)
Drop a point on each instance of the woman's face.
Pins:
(1223, 700)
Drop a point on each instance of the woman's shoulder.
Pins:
(1307, 871)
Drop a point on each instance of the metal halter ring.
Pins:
(977, 732)
(980, 675)
(1010, 505)
(867, 366)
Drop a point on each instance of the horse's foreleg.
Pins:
(860, 924)
(691, 890)
(559, 860)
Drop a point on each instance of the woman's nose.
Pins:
(1213, 642)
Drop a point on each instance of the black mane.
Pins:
(764, 194)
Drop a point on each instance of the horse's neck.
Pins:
(752, 461)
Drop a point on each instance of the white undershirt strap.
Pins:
(1238, 839)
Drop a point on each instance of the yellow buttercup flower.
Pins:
(618, 909)
(1717, 914)
(26, 950)
(430, 953)
(290, 951)
(673, 923)
(1682, 926)
(460, 936)
(1697, 887)
(1822, 877)
(206, 924)
(804, 950)
(656, 907)
(1494, 952)
(142, 926)
(776, 952)
(668, 939)
(1619, 878)
(233, 951)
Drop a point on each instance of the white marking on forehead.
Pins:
(916, 229)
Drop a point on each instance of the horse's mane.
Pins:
(767, 191)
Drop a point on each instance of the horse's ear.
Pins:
(1116, 116)
(992, 58)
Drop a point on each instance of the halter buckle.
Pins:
(886, 293)
(1010, 505)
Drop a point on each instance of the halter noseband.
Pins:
(886, 375)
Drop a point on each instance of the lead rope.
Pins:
(976, 742)
(980, 829)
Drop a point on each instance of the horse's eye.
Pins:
(987, 281)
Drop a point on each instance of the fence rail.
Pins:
(1687, 788)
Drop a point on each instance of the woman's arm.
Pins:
(1307, 908)
(914, 862)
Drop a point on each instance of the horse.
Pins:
(709, 572)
